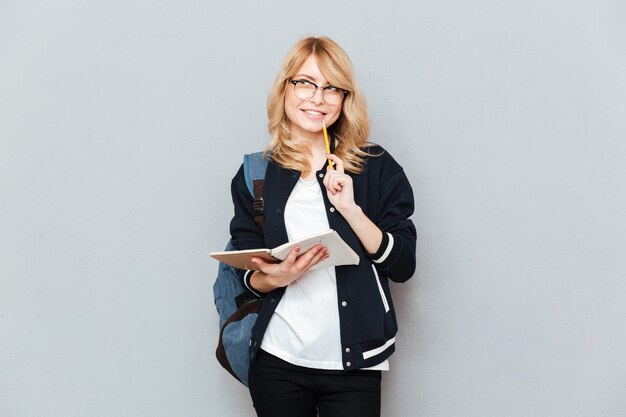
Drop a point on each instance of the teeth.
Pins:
(313, 113)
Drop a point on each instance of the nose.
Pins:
(318, 96)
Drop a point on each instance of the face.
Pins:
(306, 115)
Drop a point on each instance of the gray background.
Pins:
(122, 123)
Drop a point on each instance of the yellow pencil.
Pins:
(330, 163)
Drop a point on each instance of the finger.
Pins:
(331, 181)
(337, 184)
(261, 264)
(320, 256)
(306, 258)
(326, 178)
(293, 255)
(338, 162)
(310, 254)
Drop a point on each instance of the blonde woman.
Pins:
(323, 336)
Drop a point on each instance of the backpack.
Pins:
(237, 307)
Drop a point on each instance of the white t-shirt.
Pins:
(304, 329)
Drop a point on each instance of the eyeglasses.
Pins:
(305, 90)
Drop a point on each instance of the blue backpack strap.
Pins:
(254, 167)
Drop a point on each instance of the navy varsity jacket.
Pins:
(367, 319)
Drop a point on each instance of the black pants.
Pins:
(280, 389)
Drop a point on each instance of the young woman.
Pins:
(323, 336)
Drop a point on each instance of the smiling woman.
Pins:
(306, 105)
(320, 343)
(331, 67)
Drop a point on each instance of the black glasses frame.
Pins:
(317, 87)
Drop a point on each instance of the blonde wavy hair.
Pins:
(350, 131)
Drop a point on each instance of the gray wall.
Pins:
(122, 122)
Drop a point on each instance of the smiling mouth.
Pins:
(314, 113)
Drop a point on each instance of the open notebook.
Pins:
(339, 252)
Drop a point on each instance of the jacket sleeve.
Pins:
(244, 232)
(395, 258)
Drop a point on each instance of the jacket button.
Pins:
(321, 175)
(332, 209)
(273, 300)
(343, 303)
(348, 364)
(347, 350)
(278, 211)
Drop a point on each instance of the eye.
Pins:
(302, 83)
(332, 89)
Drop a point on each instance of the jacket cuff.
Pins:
(384, 250)
(246, 282)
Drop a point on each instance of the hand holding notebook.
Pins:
(339, 252)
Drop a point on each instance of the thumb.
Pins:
(260, 263)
